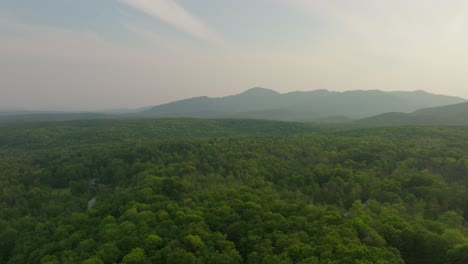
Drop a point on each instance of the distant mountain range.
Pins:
(369, 108)
(316, 106)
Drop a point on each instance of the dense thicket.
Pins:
(232, 191)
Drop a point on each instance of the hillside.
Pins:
(456, 114)
(318, 105)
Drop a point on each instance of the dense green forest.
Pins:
(232, 191)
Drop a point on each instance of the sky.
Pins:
(107, 54)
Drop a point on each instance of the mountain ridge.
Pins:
(363, 107)
(263, 103)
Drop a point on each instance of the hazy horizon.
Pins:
(52, 109)
(112, 54)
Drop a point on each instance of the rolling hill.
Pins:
(456, 114)
(318, 105)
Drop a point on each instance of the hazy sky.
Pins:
(97, 54)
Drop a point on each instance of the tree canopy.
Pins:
(222, 191)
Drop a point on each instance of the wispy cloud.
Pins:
(175, 15)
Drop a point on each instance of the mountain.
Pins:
(318, 105)
(456, 114)
(321, 106)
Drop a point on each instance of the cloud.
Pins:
(175, 15)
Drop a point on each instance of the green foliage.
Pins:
(393, 195)
(136, 256)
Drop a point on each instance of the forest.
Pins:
(184, 191)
